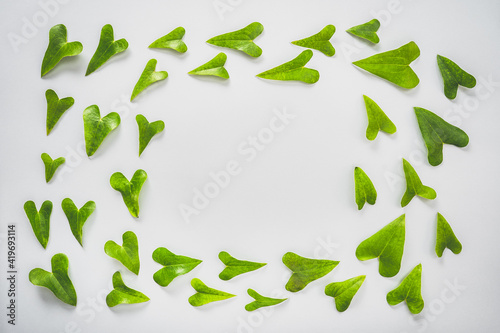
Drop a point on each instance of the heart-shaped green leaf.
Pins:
(377, 120)
(414, 186)
(445, 237)
(174, 266)
(205, 295)
(261, 301)
(51, 165)
(305, 270)
(319, 41)
(121, 294)
(148, 77)
(343, 292)
(128, 254)
(387, 245)
(130, 190)
(147, 130)
(77, 217)
(107, 48)
(293, 70)
(214, 67)
(365, 191)
(40, 220)
(394, 65)
(241, 40)
(97, 128)
(172, 40)
(410, 291)
(59, 48)
(58, 281)
(55, 108)
(453, 76)
(367, 31)
(437, 132)
(235, 267)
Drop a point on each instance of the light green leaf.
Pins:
(365, 191)
(128, 254)
(107, 48)
(205, 295)
(148, 77)
(414, 186)
(51, 165)
(172, 40)
(453, 76)
(261, 301)
(366, 31)
(343, 292)
(77, 217)
(147, 130)
(97, 128)
(130, 190)
(58, 281)
(437, 132)
(387, 245)
(39, 220)
(319, 41)
(174, 266)
(377, 120)
(305, 270)
(235, 267)
(241, 40)
(55, 108)
(214, 67)
(121, 294)
(445, 237)
(409, 291)
(59, 48)
(394, 65)
(293, 70)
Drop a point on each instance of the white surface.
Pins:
(296, 195)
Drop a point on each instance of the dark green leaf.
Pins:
(128, 254)
(414, 186)
(77, 217)
(55, 108)
(366, 31)
(107, 48)
(205, 295)
(293, 70)
(305, 270)
(365, 191)
(172, 40)
(130, 190)
(147, 130)
(235, 267)
(97, 128)
(214, 67)
(241, 40)
(59, 48)
(51, 165)
(343, 292)
(261, 301)
(409, 291)
(377, 120)
(121, 294)
(174, 266)
(319, 41)
(453, 76)
(148, 77)
(445, 237)
(40, 220)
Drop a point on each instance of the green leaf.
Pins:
(261, 301)
(235, 267)
(437, 132)
(343, 292)
(130, 190)
(453, 76)
(205, 295)
(366, 31)
(77, 217)
(51, 165)
(377, 120)
(172, 40)
(394, 65)
(59, 48)
(305, 270)
(319, 41)
(241, 40)
(97, 128)
(214, 67)
(58, 281)
(365, 191)
(39, 220)
(121, 294)
(293, 70)
(445, 237)
(107, 48)
(128, 254)
(55, 108)
(147, 130)
(409, 291)
(174, 266)
(387, 245)
(414, 186)
(148, 77)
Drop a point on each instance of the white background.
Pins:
(296, 195)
